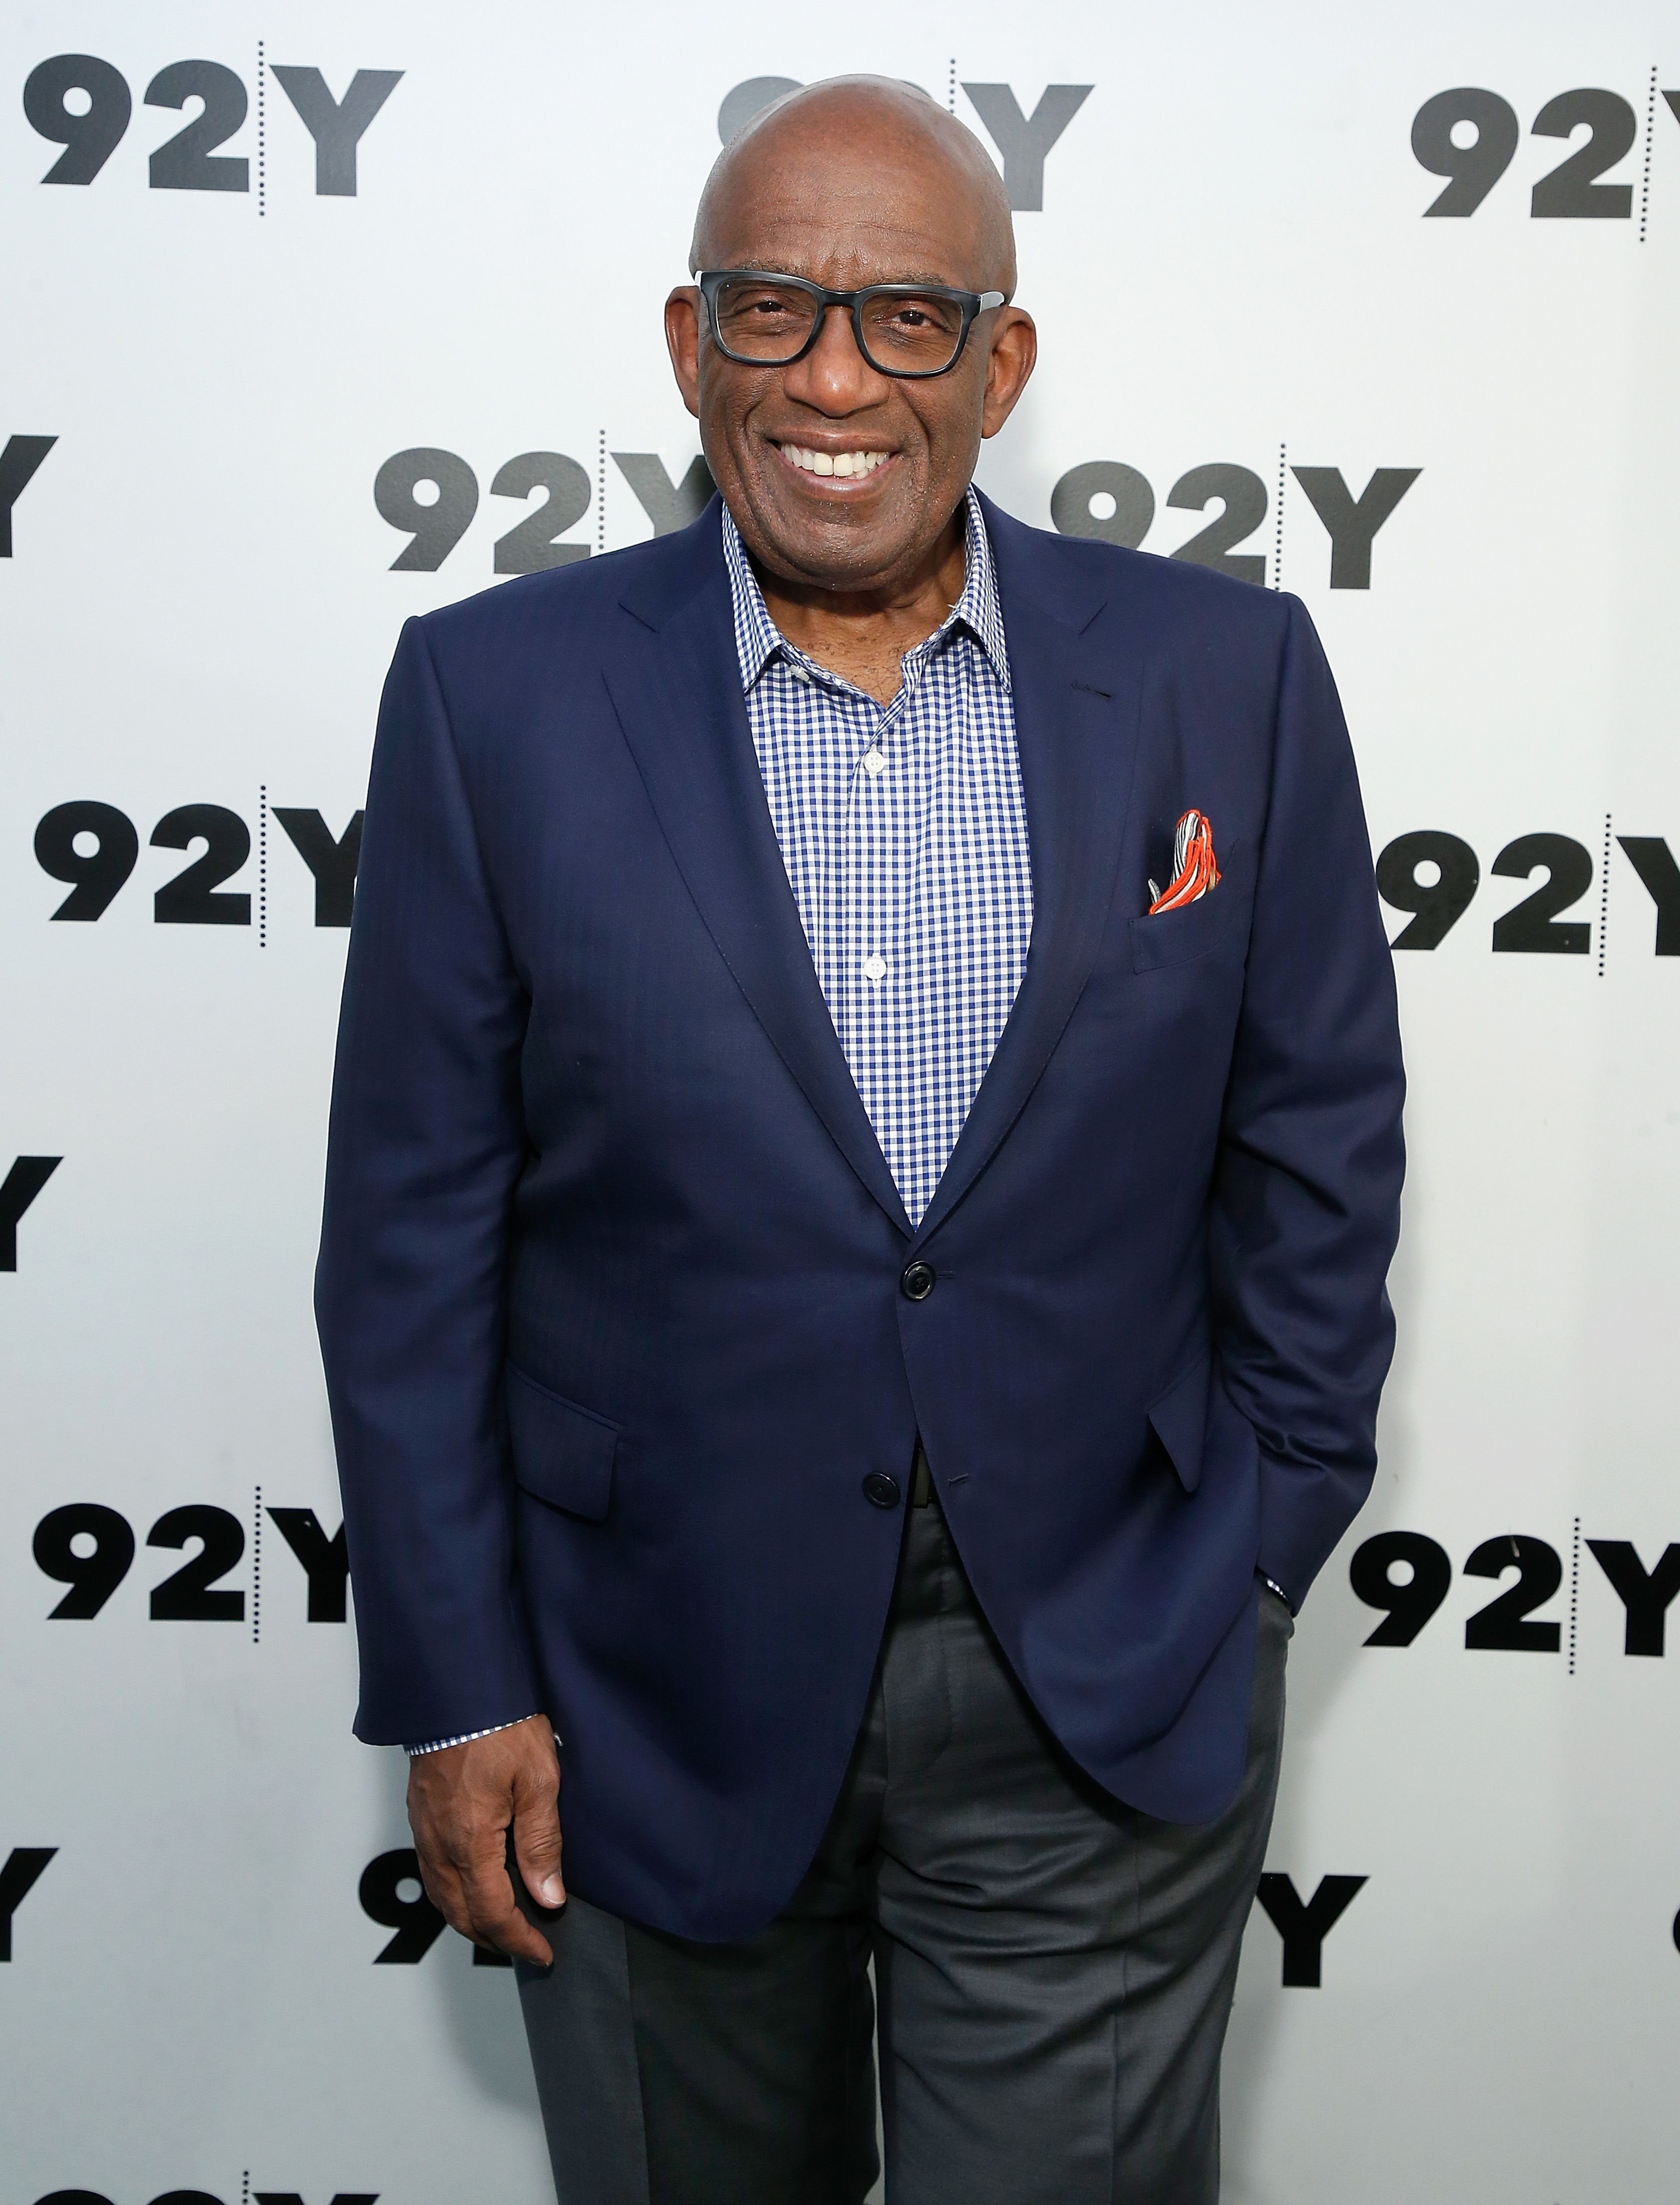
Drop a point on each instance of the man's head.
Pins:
(855, 182)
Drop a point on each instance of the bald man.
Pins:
(865, 1151)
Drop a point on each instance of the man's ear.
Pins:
(1014, 352)
(682, 339)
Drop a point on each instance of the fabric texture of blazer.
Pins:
(611, 1291)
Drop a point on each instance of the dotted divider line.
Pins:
(1603, 896)
(1650, 132)
(245, 2188)
(256, 1566)
(1574, 1590)
(1278, 533)
(601, 491)
(262, 135)
(262, 866)
(950, 94)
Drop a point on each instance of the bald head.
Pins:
(864, 150)
(846, 476)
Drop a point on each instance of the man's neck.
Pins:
(863, 634)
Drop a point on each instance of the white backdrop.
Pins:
(1232, 267)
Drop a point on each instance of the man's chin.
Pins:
(836, 547)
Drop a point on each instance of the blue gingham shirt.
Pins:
(904, 835)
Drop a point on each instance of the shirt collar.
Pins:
(759, 639)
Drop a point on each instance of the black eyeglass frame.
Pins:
(709, 281)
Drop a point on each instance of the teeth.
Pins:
(846, 465)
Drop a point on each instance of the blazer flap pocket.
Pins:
(562, 1454)
(1180, 1419)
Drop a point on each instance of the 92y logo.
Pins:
(1023, 140)
(1508, 1624)
(93, 848)
(1535, 924)
(84, 104)
(1108, 500)
(89, 1548)
(1470, 136)
(435, 525)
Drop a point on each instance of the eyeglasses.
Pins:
(762, 319)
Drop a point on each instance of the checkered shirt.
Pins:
(904, 835)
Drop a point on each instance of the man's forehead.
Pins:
(831, 247)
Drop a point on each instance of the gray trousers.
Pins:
(1054, 1970)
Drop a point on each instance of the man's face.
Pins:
(846, 206)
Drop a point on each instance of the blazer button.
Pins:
(917, 1281)
(881, 1489)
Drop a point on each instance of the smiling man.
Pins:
(865, 1151)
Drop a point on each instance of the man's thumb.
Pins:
(536, 1849)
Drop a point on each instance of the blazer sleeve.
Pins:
(425, 1146)
(1307, 1194)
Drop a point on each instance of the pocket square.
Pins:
(1195, 874)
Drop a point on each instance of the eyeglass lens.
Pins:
(903, 332)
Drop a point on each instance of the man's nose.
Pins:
(834, 377)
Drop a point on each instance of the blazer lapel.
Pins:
(1076, 713)
(677, 693)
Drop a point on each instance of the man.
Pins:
(852, 1287)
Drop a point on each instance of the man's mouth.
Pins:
(847, 466)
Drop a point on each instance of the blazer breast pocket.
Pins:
(1178, 937)
(563, 1452)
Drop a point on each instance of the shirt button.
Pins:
(881, 1489)
(917, 1281)
(874, 761)
(875, 968)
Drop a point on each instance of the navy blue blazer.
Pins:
(611, 1286)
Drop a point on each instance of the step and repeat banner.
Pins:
(322, 316)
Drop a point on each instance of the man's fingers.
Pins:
(495, 1920)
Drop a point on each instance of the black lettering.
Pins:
(94, 877)
(417, 1922)
(333, 863)
(89, 139)
(188, 162)
(1352, 524)
(93, 1577)
(189, 1595)
(22, 1183)
(337, 127)
(1647, 1595)
(1503, 1625)
(436, 528)
(22, 1872)
(326, 1561)
(669, 506)
(1474, 169)
(1569, 191)
(1304, 1929)
(189, 899)
(18, 463)
(1653, 861)
(1024, 139)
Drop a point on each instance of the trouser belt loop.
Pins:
(921, 1478)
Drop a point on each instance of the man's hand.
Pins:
(462, 1801)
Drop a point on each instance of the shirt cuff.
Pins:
(465, 1737)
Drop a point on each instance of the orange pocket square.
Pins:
(1194, 872)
